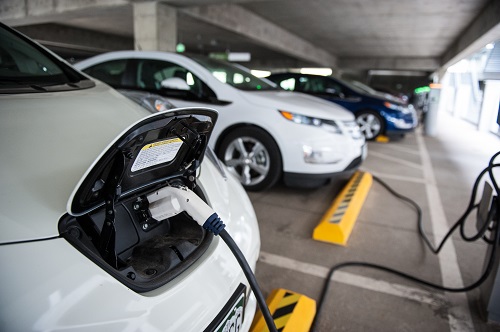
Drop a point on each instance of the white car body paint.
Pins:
(48, 141)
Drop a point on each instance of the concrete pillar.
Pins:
(155, 26)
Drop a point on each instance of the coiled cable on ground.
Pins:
(493, 240)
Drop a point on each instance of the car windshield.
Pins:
(22, 64)
(364, 87)
(355, 87)
(236, 76)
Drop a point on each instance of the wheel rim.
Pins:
(248, 159)
(369, 124)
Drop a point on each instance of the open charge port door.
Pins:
(114, 217)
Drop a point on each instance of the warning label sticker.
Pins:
(156, 153)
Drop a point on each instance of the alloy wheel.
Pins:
(248, 159)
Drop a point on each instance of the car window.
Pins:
(234, 75)
(319, 85)
(110, 72)
(150, 74)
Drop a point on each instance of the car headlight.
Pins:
(352, 128)
(320, 154)
(395, 107)
(392, 106)
(328, 125)
(150, 101)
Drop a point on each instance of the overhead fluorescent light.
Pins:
(317, 71)
(231, 56)
(379, 72)
(239, 56)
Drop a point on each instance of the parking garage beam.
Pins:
(483, 30)
(155, 27)
(239, 20)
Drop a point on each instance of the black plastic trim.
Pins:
(241, 289)
(301, 180)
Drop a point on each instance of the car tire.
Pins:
(371, 124)
(253, 156)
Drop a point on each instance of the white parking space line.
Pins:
(402, 149)
(396, 160)
(459, 316)
(410, 293)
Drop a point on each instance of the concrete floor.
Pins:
(437, 172)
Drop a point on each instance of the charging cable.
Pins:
(494, 240)
(171, 200)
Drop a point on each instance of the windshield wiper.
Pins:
(26, 85)
(20, 83)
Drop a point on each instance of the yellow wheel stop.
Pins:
(382, 139)
(338, 222)
(292, 312)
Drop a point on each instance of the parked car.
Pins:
(81, 247)
(376, 113)
(263, 133)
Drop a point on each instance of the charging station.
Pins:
(490, 289)
(490, 292)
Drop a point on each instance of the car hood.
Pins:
(380, 96)
(48, 141)
(296, 102)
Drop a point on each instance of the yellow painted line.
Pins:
(338, 221)
(382, 139)
(292, 312)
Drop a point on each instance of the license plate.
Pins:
(230, 319)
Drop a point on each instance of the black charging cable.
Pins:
(251, 279)
(204, 215)
(215, 225)
(493, 240)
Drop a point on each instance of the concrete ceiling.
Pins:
(348, 34)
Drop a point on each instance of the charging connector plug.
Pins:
(170, 201)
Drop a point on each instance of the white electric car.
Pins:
(263, 133)
(87, 240)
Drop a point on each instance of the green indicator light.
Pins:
(180, 48)
(259, 87)
(422, 89)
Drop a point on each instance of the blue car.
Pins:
(376, 113)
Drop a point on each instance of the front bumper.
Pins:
(302, 180)
(315, 151)
(401, 122)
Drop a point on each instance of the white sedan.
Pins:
(263, 133)
(85, 243)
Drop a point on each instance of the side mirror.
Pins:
(175, 83)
